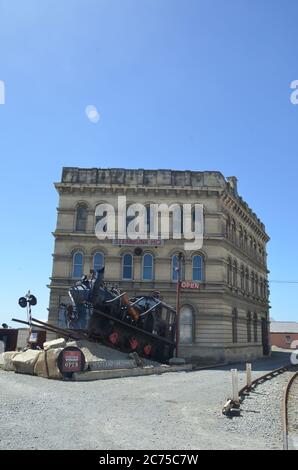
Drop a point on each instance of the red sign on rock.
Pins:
(71, 359)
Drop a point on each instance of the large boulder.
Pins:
(40, 367)
(54, 344)
(2, 350)
(7, 358)
(52, 367)
(24, 362)
(46, 364)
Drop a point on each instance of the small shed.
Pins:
(9, 338)
(284, 334)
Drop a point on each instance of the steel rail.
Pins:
(78, 333)
(244, 391)
(285, 416)
(47, 328)
(269, 375)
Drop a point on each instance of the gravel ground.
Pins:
(260, 413)
(293, 416)
(171, 411)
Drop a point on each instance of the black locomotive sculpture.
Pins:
(144, 324)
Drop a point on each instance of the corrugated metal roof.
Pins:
(284, 327)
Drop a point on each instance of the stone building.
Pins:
(224, 296)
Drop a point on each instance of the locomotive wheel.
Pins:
(147, 349)
(114, 337)
(133, 343)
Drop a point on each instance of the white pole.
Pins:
(235, 385)
(248, 374)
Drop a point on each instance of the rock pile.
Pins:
(35, 362)
(43, 363)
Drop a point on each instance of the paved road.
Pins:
(172, 411)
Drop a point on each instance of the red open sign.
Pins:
(190, 285)
(71, 359)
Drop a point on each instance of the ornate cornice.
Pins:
(248, 217)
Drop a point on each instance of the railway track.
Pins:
(244, 391)
(290, 414)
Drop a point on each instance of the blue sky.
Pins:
(193, 84)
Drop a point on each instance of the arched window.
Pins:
(175, 268)
(182, 224)
(242, 277)
(98, 261)
(255, 328)
(255, 248)
(251, 244)
(81, 218)
(246, 280)
(235, 283)
(263, 256)
(193, 219)
(99, 218)
(235, 326)
(256, 285)
(197, 268)
(262, 288)
(245, 240)
(228, 227)
(266, 289)
(234, 231)
(175, 220)
(149, 225)
(229, 271)
(186, 330)
(248, 322)
(252, 283)
(127, 267)
(241, 237)
(147, 267)
(77, 264)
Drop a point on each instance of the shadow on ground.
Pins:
(274, 361)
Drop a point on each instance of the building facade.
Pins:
(284, 334)
(224, 293)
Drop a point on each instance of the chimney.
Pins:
(232, 180)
